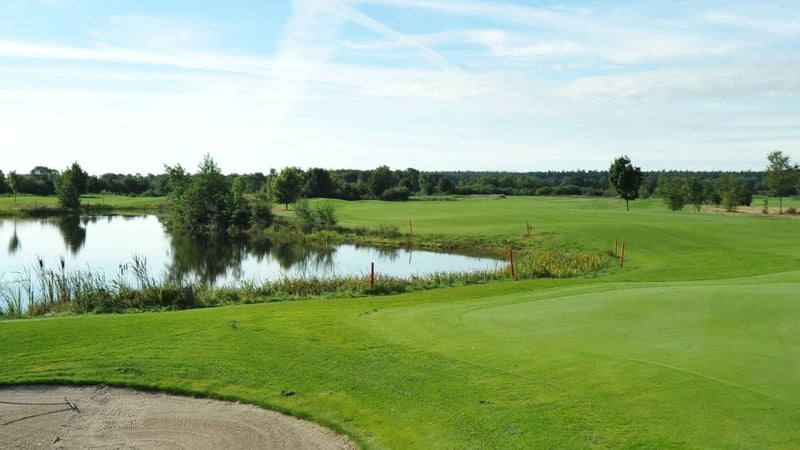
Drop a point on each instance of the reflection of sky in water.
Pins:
(111, 241)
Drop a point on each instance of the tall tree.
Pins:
(781, 177)
(13, 182)
(66, 184)
(695, 192)
(625, 179)
(79, 177)
(288, 185)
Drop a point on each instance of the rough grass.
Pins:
(692, 345)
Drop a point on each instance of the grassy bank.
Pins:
(29, 205)
(691, 345)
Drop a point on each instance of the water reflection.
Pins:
(104, 243)
(73, 233)
(13, 243)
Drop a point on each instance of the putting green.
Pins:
(665, 364)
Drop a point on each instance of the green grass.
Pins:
(37, 205)
(692, 345)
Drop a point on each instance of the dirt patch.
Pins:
(104, 417)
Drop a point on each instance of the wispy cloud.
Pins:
(350, 83)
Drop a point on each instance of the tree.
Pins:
(13, 182)
(625, 179)
(318, 183)
(288, 185)
(380, 180)
(202, 203)
(781, 177)
(695, 192)
(42, 181)
(672, 191)
(732, 192)
(80, 179)
(66, 184)
(3, 184)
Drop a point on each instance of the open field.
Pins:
(692, 345)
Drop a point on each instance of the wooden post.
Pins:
(622, 255)
(528, 227)
(410, 227)
(372, 276)
(511, 260)
(616, 244)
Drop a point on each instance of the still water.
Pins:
(103, 243)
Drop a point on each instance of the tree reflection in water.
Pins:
(14, 244)
(204, 261)
(73, 233)
(208, 261)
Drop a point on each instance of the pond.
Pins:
(103, 243)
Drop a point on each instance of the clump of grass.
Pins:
(559, 263)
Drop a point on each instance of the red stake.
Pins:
(511, 260)
(372, 276)
(622, 255)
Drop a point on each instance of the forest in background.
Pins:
(387, 184)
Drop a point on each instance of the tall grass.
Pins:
(41, 290)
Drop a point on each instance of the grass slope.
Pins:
(692, 345)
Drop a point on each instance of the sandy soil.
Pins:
(126, 419)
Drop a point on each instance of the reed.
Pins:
(42, 290)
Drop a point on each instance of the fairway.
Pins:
(693, 344)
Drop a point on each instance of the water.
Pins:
(103, 243)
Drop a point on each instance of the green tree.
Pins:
(380, 180)
(66, 184)
(13, 182)
(781, 177)
(672, 191)
(287, 186)
(695, 192)
(446, 186)
(732, 192)
(625, 179)
(318, 183)
(202, 203)
(3, 184)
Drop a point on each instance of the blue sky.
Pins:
(123, 86)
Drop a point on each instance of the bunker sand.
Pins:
(104, 417)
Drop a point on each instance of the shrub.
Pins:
(314, 218)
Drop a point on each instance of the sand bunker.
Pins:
(123, 418)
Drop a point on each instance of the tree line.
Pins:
(386, 184)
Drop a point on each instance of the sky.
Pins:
(132, 86)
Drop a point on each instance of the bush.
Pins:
(320, 217)
(791, 210)
(396, 194)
